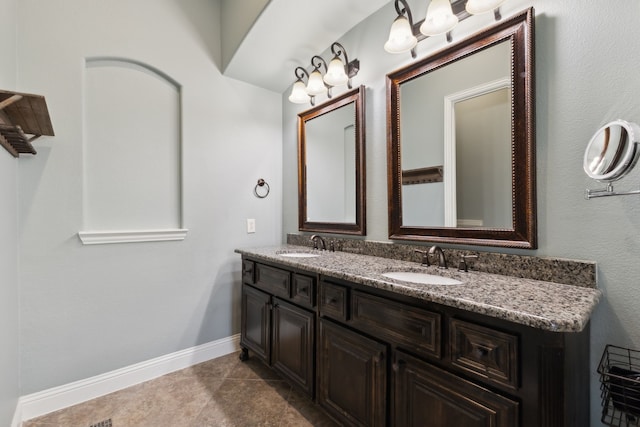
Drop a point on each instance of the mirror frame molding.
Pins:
(359, 227)
(520, 30)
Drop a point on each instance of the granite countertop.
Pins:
(539, 304)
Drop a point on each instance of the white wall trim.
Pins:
(54, 399)
(17, 417)
(131, 236)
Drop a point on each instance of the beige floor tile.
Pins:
(224, 392)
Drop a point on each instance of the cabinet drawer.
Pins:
(425, 392)
(273, 280)
(303, 290)
(487, 353)
(333, 301)
(409, 327)
(248, 268)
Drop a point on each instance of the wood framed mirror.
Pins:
(461, 142)
(331, 166)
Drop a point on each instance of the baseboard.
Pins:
(54, 399)
(17, 417)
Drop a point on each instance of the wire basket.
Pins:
(619, 371)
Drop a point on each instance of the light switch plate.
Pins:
(251, 225)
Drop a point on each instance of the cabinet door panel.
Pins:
(352, 376)
(425, 395)
(293, 344)
(255, 324)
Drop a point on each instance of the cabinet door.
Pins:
(352, 375)
(293, 344)
(255, 324)
(427, 396)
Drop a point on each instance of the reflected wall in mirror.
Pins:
(461, 149)
(331, 166)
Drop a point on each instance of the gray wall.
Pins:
(9, 316)
(87, 310)
(237, 17)
(586, 76)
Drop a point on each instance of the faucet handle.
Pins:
(425, 257)
(463, 266)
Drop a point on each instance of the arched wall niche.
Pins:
(132, 153)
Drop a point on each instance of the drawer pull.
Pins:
(303, 290)
(331, 301)
(398, 365)
(481, 352)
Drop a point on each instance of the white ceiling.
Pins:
(288, 33)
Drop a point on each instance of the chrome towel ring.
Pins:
(261, 194)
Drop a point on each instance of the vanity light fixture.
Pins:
(402, 36)
(338, 73)
(442, 16)
(476, 7)
(316, 85)
(299, 93)
(440, 19)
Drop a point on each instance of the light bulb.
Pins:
(336, 75)
(316, 86)
(299, 93)
(440, 18)
(476, 7)
(401, 38)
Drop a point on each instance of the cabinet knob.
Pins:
(398, 365)
(481, 352)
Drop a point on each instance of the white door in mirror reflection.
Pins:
(477, 172)
(331, 166)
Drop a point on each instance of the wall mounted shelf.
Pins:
(422, 175)
(23, 118)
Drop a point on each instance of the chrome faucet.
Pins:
(442, 260)
(315, 238)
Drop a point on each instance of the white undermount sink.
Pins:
(299, 254)
(421, 278)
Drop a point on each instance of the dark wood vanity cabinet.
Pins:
(255, 324)
(425, 395)
(292, 349)
(277, 323)
(352, 376)
(377, 358)
(445, 367)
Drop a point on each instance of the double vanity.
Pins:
(378, 341)
(369, 332)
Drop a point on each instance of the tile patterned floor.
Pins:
(222, 392)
